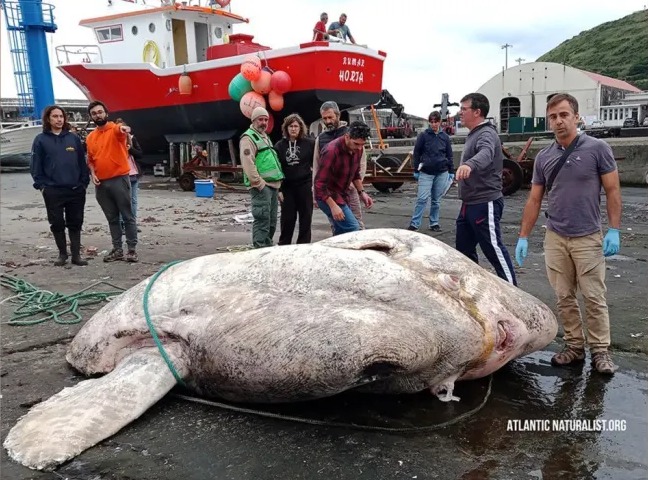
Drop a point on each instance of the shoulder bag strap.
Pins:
(561, 162)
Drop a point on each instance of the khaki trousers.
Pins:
(578, 264)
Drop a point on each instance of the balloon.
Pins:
(251, 67)
(280, 82)
(250, 101)
(276, 101)
(270, 123)
(223, 3)
(238, 87)
(262, 84)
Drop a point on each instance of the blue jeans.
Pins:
(430, 187)
(349, 224)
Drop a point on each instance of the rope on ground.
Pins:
(39, 306)
(355, 426)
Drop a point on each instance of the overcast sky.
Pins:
(432, 47)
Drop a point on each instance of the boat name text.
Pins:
(352, 76)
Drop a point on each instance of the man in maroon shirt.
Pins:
(319, 32)
(339, 166)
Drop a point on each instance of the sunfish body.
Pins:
(380, 310)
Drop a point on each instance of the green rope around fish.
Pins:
(154, 334)
(39, 306)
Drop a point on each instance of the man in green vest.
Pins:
(262, 175)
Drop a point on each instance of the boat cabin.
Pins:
(170, 35)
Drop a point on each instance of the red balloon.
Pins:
(280, 82)
(270, 123)
(276, 101)
(223, 3)
(262, 84)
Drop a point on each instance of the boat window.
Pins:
(151, 27)
(218, 31)
(134, 30)
(112, 33)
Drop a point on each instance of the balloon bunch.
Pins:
(253, 82)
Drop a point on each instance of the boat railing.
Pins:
(71, 54)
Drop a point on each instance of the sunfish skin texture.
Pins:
(392, 310)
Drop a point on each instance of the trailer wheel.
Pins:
(186, 182)
(512, 177)
(391, 164)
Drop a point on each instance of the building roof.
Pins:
(611, 82)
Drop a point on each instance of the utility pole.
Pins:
(520, 60)
(505, 47)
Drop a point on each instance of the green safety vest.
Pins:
(266, 160)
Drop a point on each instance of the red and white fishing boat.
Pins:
(142, 51)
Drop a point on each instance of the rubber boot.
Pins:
(75, 248)
(61, 243)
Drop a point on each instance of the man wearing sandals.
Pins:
(574, 244)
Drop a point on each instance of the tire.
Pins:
(186, 182)
(512, 177)
(391, 163)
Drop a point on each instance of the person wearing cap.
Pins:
(262, 176)
(339, 167)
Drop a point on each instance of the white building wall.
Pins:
(532, 83)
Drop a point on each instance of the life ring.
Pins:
(151, 53)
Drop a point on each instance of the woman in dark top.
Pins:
(295, 151)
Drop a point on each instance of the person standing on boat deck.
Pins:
(335, 128)
(319, 32)
(134, 153)
(341, 30)
(262, 176)
(109, 171)
(480, 188)
(574, 247)
(59, 170)
(340, 166)
(433, 169)
(295, 152)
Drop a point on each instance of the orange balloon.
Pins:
(250, 101)
(262, 84)
(251, 67)
(281, 82)
(276, 101)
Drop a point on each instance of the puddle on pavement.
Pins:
(526, 389)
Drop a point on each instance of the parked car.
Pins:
(645, 122)
(630, 122)
(596, 124)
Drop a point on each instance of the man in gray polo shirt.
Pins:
(574, 245)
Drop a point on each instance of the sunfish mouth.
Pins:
(505, 337)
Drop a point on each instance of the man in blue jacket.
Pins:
(60, 172)
(434, 170)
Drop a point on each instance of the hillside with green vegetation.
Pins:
(618, 49)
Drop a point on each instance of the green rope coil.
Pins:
(38, 306)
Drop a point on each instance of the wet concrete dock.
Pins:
(180, 439)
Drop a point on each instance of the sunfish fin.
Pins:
(79, 417)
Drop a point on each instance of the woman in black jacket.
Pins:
(295, 151)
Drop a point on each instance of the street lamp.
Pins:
(505, 47)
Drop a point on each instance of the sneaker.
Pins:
(435, 228)
(131, 256)
(114, 255)
(569, 355)
(602, 363)
(412, 228)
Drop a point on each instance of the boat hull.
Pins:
(16, 145)
(147, 97)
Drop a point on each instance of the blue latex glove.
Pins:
(521, 250)
(416, 175)
(611, 242)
